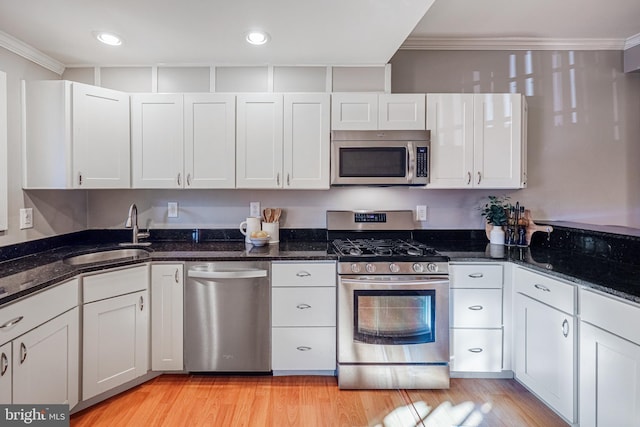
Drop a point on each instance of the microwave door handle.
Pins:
(410, 161)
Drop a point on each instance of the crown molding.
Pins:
(632, 41)
(510, 43)
(29, 52)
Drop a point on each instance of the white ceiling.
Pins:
(304, 32)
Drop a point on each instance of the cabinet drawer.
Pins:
(611, 314)
(476, 350)
(476, 308)
(303, 306)
(26, 314)
(476, 276)
(303, 349)
(303, 274)
(115, 282)
(545, 289)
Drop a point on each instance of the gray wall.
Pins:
(584, 123)
(54, 212)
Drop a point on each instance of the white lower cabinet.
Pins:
(476, 318)
(39, 357)
(115, 329)
(167, 315)
(303, 317)
(546, 340)
(609, 362)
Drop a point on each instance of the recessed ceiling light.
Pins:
(108, 38)
(257, 37)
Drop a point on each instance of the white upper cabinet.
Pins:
(157, 140)
(209, 140)
(477, 140)
(306, 141)
(75, 136)
(282, 141)
(371, 111)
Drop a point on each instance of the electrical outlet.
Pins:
(26, 218)
(421, 213)
(172, 210)
(254, 209)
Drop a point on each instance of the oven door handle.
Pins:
(367, 282)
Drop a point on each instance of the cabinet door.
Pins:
(401, 111)
(116, 342)
(167, 300)
(545, 353)
(157, 140)
(354, 111)
(45, 362)
(101, 138)
(609, 379)
(450, 119)
(5, 374)
(498, 140)
(259, 141)
(210, 140)
(306, 141)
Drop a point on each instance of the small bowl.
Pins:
(259, 241)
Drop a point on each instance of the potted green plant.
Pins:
(496, 212)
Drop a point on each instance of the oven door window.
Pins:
(394, 316)
(372, 162)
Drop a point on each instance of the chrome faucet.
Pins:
(132, 222)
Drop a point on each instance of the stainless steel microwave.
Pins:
(380, 158)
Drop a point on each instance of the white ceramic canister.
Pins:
(273, 230)
(247, 227)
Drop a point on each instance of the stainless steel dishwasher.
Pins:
(228, 317)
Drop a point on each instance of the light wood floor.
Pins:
(256, 401)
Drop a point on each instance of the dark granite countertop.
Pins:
(609, 272)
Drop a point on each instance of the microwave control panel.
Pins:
(422, 168)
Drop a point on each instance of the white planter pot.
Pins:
(496, 236)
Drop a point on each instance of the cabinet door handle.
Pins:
(475, 350)
(303, 274)
(278, 179)
(476, 307)
(541, 287)
(468, 178)
(476, 275)
(23, 353)
(11, 322)
(79, 178)
(479, 177)
(176, 277)
(303, 306)
(141, 303)
(179, 179)
(4, 364)
(565, 328)
(288, 180)
(189, 179)
(303, 348)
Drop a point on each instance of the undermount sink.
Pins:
(103, 256)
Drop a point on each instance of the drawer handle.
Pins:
(303, 274)
(12, 322)
(541, 287)
(303, 348)
(476, 307)
(4, 364)
(565, 328)
(23, 353)
(475, 350)
(476, 275)
(303, 306)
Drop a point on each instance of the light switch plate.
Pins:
(254, 209)
(26, 218)
(172, 210)
(421, 213)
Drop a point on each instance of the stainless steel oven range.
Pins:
(393, 303)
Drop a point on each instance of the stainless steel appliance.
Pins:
(380, 158)
(393, 303)
(228, 317)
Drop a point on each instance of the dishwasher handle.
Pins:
(228, 274)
